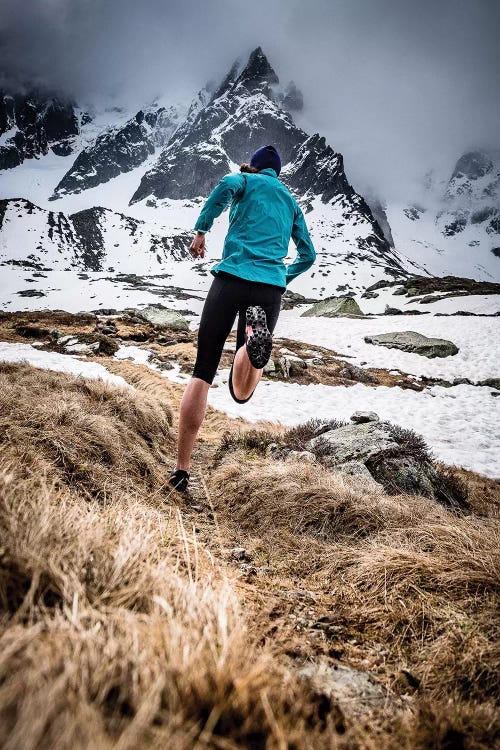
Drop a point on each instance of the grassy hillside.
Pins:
(130, 618)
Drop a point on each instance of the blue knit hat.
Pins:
(267, 156)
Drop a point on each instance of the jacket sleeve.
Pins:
(306, 254)
(230, 186)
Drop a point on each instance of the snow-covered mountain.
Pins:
(137, 180)
(95, 239)
(454, 227)
(33, 122)
(119, 149)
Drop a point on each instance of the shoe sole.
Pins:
(260, 342)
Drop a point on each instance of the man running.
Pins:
(249, 282)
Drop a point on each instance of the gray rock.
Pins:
(80, 348)
(411, 341)
(301, 456)
(269, 367)
(291, 365)
(64, 340)
(359, 417)
(491, 383)
(162, 317)
(352, 372)
(358, 469)
(356, 442)
(335, 307)
(356, 692)
(392, 310)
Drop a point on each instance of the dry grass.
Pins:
(117, 627)
(401, 571)
(122, 626)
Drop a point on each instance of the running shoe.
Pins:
(258, 337)
(179, 480)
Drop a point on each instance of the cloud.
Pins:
(397, 86)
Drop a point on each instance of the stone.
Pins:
(416, 343)
(301, 456)
(291, 365)
(269, 367)
(491, 383)
(352, 372)
(392, 310)
(359, 470)
(356, 692)
(335, 307)
(161, 317)
(79, 348)
(354, 442)
(64, 340)
(359, 417)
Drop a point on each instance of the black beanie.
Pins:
(267, 156)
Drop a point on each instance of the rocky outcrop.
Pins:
(335, 307)
(416, 343)
(118, 150)
(33, 123)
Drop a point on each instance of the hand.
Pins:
(197, 247)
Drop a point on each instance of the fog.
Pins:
(398, 86)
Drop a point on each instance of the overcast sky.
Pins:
(396, 85)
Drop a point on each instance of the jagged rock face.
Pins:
(240, 117)
(292, 100)
(94, 239)
(316, 169)
(188, 172)
(472, 195)
(117, 151)
(33, 123)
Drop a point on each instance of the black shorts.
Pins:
(227, 297)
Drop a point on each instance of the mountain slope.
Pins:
(119, 149)
(94, 239)
(454, 228)
(33, 123)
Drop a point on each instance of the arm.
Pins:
(306, 255)
(220, 197)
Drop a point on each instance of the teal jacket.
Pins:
(262, 218)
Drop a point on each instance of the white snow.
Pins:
(477, 339)
(460, 424)
(58, 362)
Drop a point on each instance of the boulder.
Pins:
(360, 417)
(355, 692)
(359, 470)
(161, 317)
(392, 310)
(411, 341)
(291, 365)
(354, 442)
(335, 307)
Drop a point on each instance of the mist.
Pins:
(397, 87)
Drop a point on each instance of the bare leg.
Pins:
(191, 415)
(245, 375)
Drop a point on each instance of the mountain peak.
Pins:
(258, 74)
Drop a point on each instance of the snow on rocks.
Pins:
(411, 341)
(58, 362)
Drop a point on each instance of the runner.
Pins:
(249, 282)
